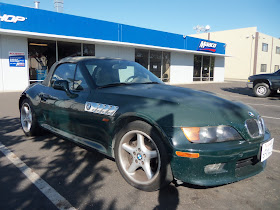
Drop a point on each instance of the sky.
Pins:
(176, 16)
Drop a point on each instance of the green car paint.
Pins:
(167, 108)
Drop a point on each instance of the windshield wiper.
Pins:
(151, 83)
(112, 85)
(123, 83)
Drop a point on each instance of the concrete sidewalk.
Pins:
(9, 104)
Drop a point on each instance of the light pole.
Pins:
(203, 29)
(253, 37)
(58, 5)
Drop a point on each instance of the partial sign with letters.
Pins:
(207, 46)
(11, 18)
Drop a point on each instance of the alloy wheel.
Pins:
(26, 117)
(139, 157)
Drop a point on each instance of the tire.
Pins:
(262, 90)
(28, 119)
(141, 157)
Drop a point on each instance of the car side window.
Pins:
(66, 72)
(79, 81)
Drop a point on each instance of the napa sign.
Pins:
(207, 46)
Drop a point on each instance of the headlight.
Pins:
(211, 134)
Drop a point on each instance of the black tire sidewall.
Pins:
(267, 88)
(164, 176)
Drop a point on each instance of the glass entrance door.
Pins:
(203, 68)
(158, 62)
(41, 56)
(197, 68)
(155, 63)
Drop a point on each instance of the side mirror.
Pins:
(63, 85)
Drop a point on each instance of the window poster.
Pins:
(17, 59)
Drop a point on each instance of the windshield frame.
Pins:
(109, 63)
(277, 72)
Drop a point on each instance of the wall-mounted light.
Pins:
(248, 36)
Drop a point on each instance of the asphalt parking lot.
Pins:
(89, 180)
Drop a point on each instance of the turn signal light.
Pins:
(192, 133)
(105, 120)
(187, 154)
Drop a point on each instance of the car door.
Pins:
(82, 120)
(91, 128)
(276, 80)
(65, 111)
(56, 104)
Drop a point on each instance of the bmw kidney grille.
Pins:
(255, 127)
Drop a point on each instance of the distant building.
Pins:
(251, 52)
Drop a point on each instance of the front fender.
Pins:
(270, 83)
(21, 98)
(128, 117)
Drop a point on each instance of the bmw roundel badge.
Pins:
(139, 156)
(251, 114)
(88, 106)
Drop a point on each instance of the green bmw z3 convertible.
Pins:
(155, 132)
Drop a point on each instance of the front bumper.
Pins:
(250, 85)
(239, 161)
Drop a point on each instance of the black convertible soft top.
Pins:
(71, 60)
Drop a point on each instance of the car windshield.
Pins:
(277, 72)
(112, 72)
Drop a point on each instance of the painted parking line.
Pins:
(235, 96)
(245, 97)
(277, 106)
(274, 150)
(58, 200)
(275, 118)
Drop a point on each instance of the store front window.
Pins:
(166, 67)
(42, 54)
(203, 68)
(88, 49)
(68, 49)
(142, 57)
(157, 62)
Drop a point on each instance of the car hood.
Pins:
(177, 106)
(261, 75)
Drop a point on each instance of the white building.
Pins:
(251, 52)
(29, 46)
